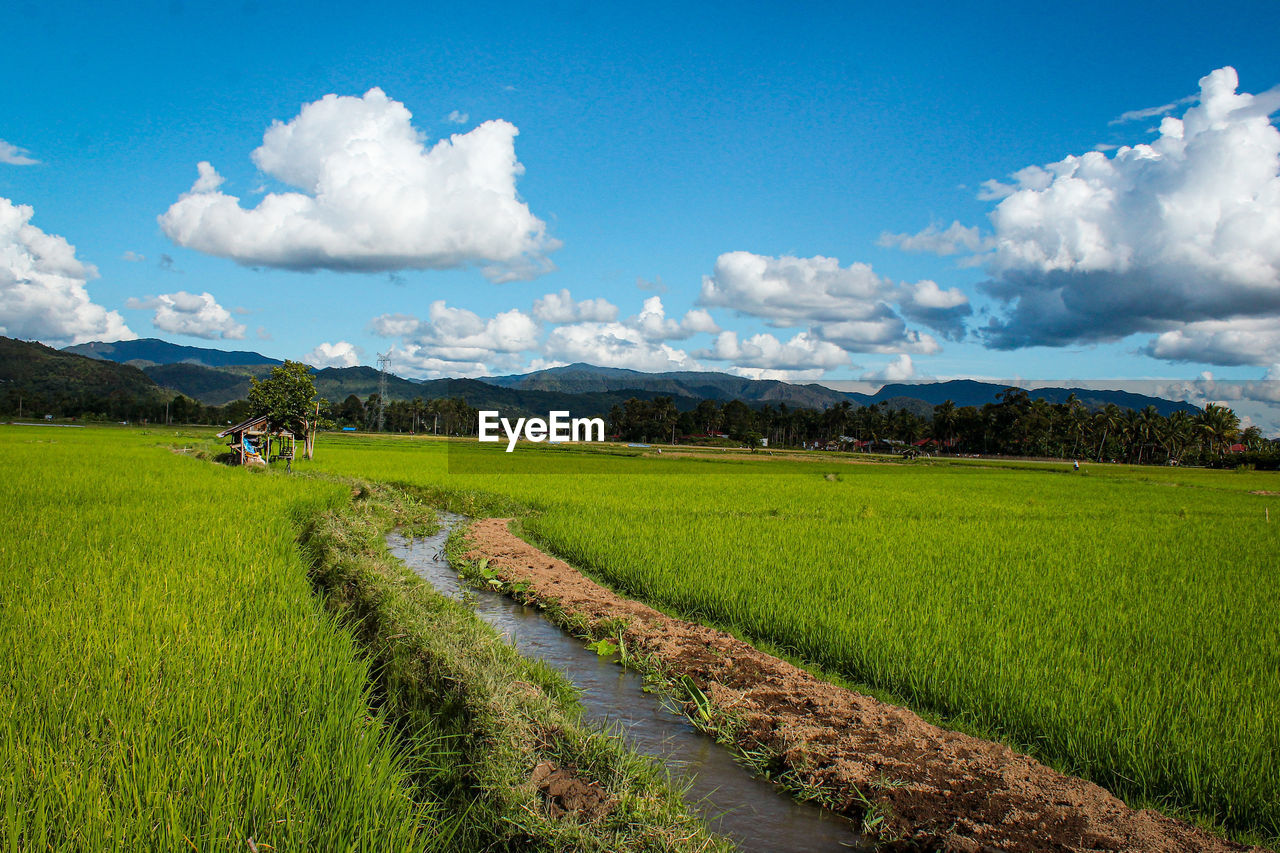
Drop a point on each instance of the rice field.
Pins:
(1119, 623)
(168, 681)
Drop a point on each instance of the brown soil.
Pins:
(938, 790)
(1264, 492)
(565, 793)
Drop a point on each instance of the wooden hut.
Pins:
(252, 440)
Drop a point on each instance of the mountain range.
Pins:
(216, 377)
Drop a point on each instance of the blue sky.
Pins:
(711, 156)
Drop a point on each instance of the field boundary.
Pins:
(910, 781)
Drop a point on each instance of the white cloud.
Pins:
(851, 306)
(882, 335)
(1152, 112)
(455, 117)
(897, 370)
(196, 314)
(340, 354)
(455, 336)
(943, 310)
(1183, 230)
(803, 353)
(561, 308)
(653, 323)
(775, 374)
(952, 240)
(418, 361)
(133, 257)
(15, 156)
(614, 345)
(1228, 342)
(42, 286)
(373, 198)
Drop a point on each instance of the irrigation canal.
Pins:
(748, 809)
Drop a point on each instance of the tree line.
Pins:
(1015, 425)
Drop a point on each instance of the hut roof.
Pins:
(244, 426)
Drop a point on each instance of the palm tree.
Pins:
(1077, 422)
(944, 422)
(1107, 419)
(1218, 427)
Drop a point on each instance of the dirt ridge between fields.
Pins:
(931, 789)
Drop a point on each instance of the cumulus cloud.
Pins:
(614, 345)
(653, 323)
(561, 308)
(373, 198)
(953, 239)
(1184, 230)
(458, 340)
(196, 314)
(455, 117)
(803, 354)
(340, 354)
(42, 286)
(851, 306)
(1207, 389)
(897, 370)
(133, 257)
(15, 156)
(418, 361)
(1229, 342)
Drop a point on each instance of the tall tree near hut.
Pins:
(288, 398)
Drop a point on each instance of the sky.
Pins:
(812, 192)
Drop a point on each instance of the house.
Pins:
(251, 441)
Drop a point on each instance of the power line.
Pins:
(384, 361)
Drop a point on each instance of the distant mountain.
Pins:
(65, 382)
(216, 377)
(968, 392)
(155, 351)
(336, 383)
(580, 378)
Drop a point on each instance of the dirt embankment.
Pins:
(931, 788)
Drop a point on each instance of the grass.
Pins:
(441, 669)
(1119, 622)
(172, 680)
(168, 680)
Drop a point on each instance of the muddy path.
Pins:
(924, 786)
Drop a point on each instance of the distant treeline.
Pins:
(1016, 425)
(115, 406)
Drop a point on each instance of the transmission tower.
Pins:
(384, 361)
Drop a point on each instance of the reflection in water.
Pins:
(745, 808)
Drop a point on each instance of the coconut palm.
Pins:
(1218, 427)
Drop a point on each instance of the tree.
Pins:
(1218, 427)
(288, 398)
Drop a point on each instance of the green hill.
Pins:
(36, 380)
(213, 386)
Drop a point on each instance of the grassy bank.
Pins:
(440, 669)
(1118, 623)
